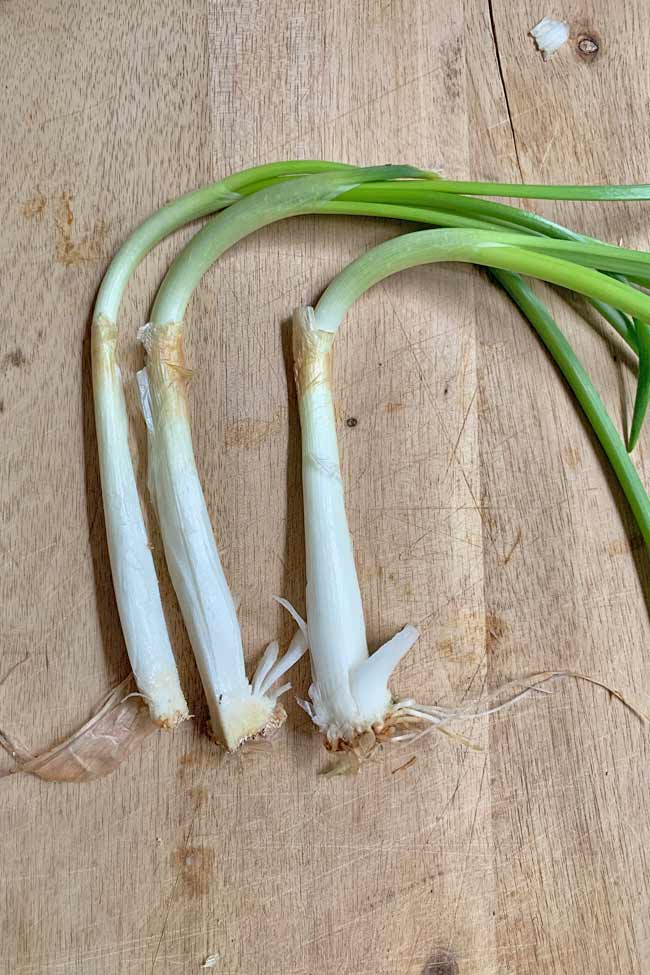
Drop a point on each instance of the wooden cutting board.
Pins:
(480, 506)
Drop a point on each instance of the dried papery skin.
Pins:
(118, 726)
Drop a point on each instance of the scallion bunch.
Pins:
(350, 691)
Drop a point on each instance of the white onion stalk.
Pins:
(238, 710)
(349, 695)
(134, 576)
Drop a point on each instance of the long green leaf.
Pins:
(643, 385)
(579, 381)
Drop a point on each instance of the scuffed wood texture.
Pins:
(480, 506)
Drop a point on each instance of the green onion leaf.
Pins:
(643, 385)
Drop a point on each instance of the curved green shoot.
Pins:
(618, 261)
(475, 247)
(590, 401)
(508, 252)
(621, 323)
(188, 207)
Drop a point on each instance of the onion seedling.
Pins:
(350, 701)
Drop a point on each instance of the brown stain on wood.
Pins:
(188, 759)
(572, 457)
(394, 407)
(184, 768)
(442, 961)
(195, 865)
(34, 207)
(17, 359)
(495, 629)
(70, 252)
(248, 432)
(186, 764)
(199, 796)
(623, 546)
(445, 648)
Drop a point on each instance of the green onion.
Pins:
(350, 699)
(465, 212)
(526, 254)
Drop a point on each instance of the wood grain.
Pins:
(480, 506)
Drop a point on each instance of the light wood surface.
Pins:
(480, 506)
